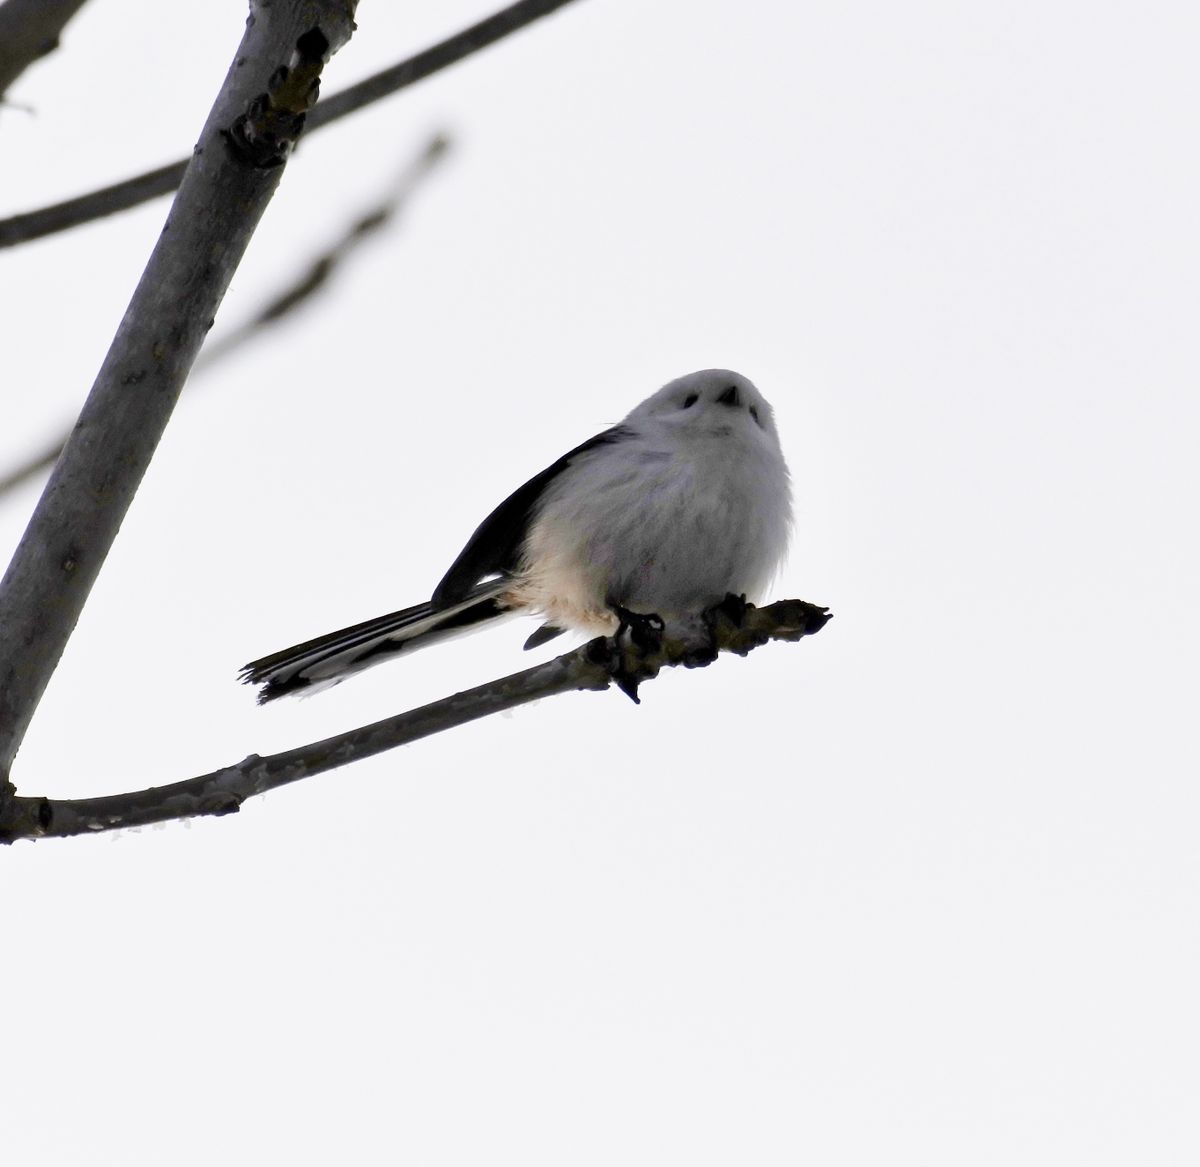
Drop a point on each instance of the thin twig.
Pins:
(320, 270)
(134, 191)
(259, 110)
(32, 466)
(29, 29)
(223, 791)
(316, 276)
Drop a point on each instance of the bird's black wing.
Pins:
(496, 544)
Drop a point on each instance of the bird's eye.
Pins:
(690, 400)
(754, 413)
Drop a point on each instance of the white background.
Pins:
(920, 890)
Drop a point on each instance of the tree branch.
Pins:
(316, 276)
(134, 191)
(31, 467)
(29, 29)
(223, 791)
(229, 182)
(321, 269)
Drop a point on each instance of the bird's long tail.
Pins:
(331, 658)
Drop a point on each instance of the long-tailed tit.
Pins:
(683, 503)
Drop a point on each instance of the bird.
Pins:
(685, 502)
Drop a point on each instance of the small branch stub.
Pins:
(266, 133)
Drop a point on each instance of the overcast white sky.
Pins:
(922, 890)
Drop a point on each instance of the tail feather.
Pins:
(331, 658)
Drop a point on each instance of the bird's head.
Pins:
(712, 401)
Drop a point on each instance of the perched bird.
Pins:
(683, 503)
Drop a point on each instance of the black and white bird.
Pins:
(684, 502)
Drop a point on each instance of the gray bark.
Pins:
(229, 182)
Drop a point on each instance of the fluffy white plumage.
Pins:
(691, 506)
(685, 502)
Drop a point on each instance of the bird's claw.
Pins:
(644, 633)
(733, 608)
(645, 629)
(730, 612)
(639, 636)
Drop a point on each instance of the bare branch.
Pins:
(315, 277)
(223, 791)
(40, 461)
(233, 173)
(321, 269)
(134, 191)
(96, 204)
(29, 29)
(434, 59)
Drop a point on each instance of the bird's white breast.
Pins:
(665, 521)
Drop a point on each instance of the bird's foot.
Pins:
(732, 608)
(645, 630)
(728, 614)
(637, 636)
